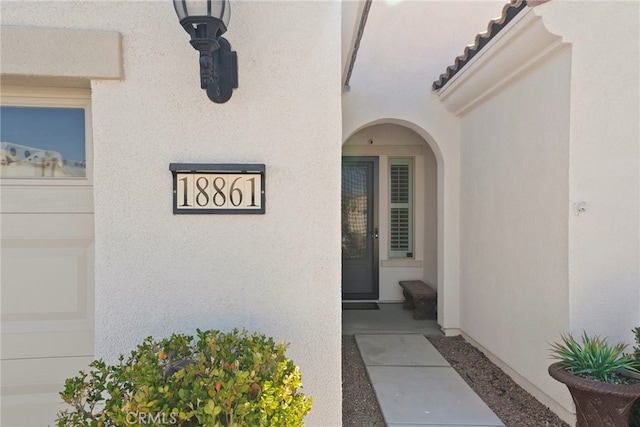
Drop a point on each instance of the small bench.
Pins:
(420, 298)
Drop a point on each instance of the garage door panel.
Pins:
(48, 344)
(46, 199)
(22, 376)
(47, 249)
(46, 279)
(31, 410)
(46, 226)
(30, 389)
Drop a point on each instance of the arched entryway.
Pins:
(390, 211)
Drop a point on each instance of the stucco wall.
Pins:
(278, 273)
(514, 220)
(546, 126)
(604, 241)
(387, 141)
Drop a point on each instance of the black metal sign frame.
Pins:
(218, 188)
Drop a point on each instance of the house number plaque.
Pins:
(218, 188)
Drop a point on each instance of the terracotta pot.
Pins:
(598, 404)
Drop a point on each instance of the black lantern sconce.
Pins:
(206, 21)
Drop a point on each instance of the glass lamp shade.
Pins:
(203, 10)
(205, 21)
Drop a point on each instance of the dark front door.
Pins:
(359, 228)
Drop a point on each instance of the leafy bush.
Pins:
(221, 379)
(594, 358)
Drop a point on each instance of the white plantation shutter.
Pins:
(401, 208)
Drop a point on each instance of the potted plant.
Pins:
(220, 379)
(634, 419)
(596, 375)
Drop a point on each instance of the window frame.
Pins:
(17, 96)
(410, 252)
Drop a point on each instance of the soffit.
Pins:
(407, 41)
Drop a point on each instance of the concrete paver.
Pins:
(439, 425)
(416, 386)
(428, 396)
(390, 319)
(398, 350)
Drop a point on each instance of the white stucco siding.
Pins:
(604, 241)
(514, 220)
(549, 80)
(278, 273)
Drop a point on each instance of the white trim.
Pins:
(451, 332)
(61, 53)
(9, 91)
(520, 45)
(382, 150)
(363, 13)
(401, 263)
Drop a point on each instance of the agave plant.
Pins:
(634, 418)
(594, 358)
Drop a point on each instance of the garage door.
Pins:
(47, 233)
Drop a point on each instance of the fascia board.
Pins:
(516, 48)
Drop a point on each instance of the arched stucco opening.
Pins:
(389, 139)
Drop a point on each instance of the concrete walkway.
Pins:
(414, 384)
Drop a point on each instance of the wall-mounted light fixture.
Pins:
(206, 21)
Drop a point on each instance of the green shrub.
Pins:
(595, 358)
(220, 379)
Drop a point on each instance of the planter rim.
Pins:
(570, 380)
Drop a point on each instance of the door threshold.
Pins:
(360, 306)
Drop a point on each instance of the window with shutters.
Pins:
(400, 208)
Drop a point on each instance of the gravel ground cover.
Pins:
(514, 406)
(359, 405)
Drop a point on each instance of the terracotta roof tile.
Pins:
(509, 11)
